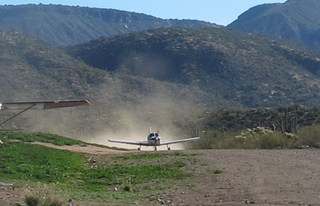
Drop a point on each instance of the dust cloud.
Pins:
(155, 106)
(124, 108)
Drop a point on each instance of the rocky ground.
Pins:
(257, 177)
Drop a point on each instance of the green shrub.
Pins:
(215, 140)
(36, 200)
(217, 171)
(127, 188)
(257, 138)
(39, 137)
(32, 200)
(310, 136)
(53, 202)
(272, 141)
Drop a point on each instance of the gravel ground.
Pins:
(257, 177)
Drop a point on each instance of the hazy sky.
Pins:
(216, 11)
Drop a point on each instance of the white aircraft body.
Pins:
(25, 106)
(154, 140)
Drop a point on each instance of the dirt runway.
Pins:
(257, 177)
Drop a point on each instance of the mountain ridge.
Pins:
(161, 76)
(296, 21)
(243, 68)
(68, 25)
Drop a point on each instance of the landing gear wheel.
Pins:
(169, 148)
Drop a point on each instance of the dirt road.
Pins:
(257, 177)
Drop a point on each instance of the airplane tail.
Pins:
(150, 131)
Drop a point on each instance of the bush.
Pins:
(35, 200)
(53, 202)
(272, 141)
(257, 138)
(32, 200)
(214, 140)
(310, 136)
(127, 188)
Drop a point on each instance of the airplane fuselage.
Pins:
(154, 139)
(154, 142)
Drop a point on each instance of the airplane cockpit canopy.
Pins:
(153, 136)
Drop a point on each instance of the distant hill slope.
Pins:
(66, 25)
(31, 70)
(247, 69)
(163, 78)
(294, 20)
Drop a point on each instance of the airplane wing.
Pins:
(43, 104)
(141, 143)
(179, 141)
(25, 106)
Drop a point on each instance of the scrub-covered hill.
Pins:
(31, 71)
(294, 20)
(68, 25)
(235, 67)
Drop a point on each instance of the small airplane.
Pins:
(25, 106)
(154, 140)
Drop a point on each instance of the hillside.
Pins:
(294, 20)
(234, 67)
(120, 103)
(30, 69)
(162, 78)
(33, 71)
(66, 25)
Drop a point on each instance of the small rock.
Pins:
(162, 202)
(91, 160)
(70, 201)
(248, 201)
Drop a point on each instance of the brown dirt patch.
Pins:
(88, 149)
(254, 177)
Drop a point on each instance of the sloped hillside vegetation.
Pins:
(236, 67)
(31, 70)
(69, 25)
(296, 21)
